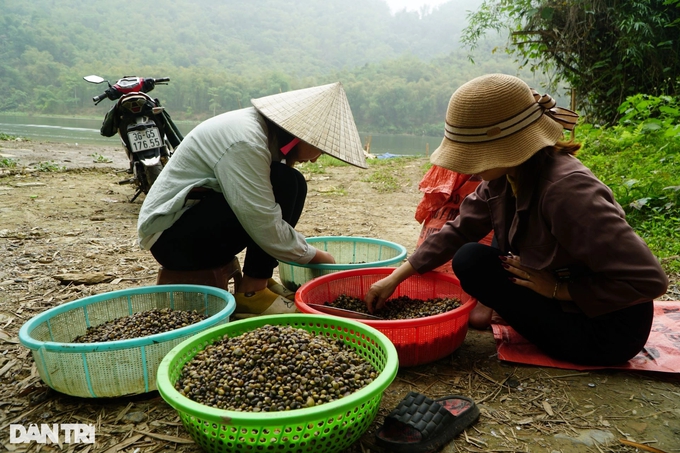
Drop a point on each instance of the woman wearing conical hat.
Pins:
(567, 271)
(231, 185)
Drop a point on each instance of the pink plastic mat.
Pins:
(661, 353)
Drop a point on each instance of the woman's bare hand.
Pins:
(381, 290)
(322, 257)
(541, 281)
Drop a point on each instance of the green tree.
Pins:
(606, 50)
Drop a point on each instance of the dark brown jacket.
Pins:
(569, 220)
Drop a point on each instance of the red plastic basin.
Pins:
(418, 341)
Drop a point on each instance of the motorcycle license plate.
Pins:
(145, 139)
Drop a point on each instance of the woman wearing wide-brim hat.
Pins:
(231, 185)
(566, 270)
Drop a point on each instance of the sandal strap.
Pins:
(423, 414)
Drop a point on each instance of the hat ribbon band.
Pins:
(545, 105)
(565, 117)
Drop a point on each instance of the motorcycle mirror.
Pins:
(94, 79)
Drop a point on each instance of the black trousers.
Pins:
(209, 234)
(605, 340)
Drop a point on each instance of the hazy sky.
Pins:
(412, 5)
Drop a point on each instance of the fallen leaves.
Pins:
(88, 278)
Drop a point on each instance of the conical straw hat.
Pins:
(320, 116)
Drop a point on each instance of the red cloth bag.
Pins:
(443, 192)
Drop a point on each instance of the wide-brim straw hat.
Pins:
(498, 121)
(320, 116)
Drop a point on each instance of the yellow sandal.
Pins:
(263, 302)
(279, 289)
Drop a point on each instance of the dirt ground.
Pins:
(80, 220)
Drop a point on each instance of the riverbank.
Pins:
(84, 130)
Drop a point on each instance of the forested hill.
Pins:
(221, 53)
(300, 36)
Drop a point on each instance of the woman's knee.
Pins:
(473, 258)
(288, 184)
(290, 191)
(284, 177)
(480, 272)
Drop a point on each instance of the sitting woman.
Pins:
(568, 272)
(231, 186)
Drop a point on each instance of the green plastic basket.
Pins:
(328, 428)
(115, 368)
(349, 252)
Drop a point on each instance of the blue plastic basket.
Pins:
(349, 252)
(115, 368)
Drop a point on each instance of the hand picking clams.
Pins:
(402, 307)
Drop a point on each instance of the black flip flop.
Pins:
(421, 425)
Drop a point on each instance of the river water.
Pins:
(86, 131)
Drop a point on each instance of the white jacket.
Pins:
(230, 154)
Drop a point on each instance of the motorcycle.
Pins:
(146, 130)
